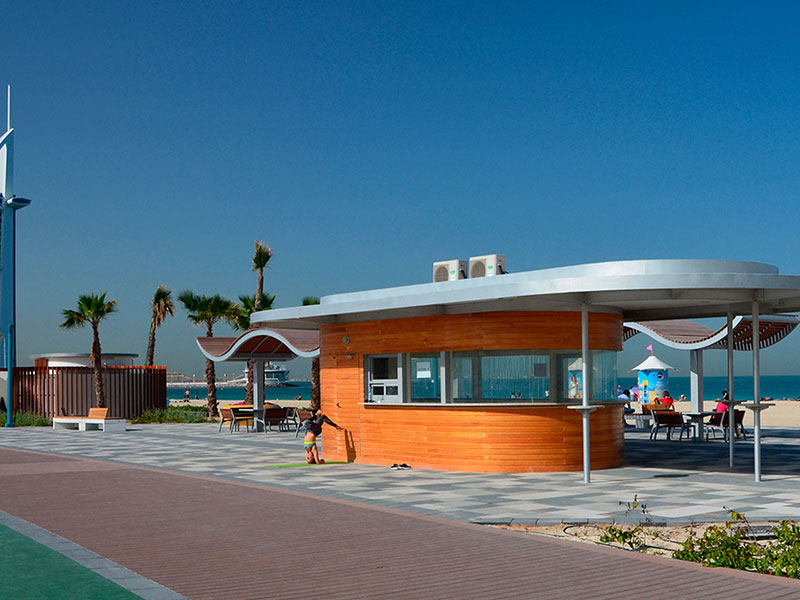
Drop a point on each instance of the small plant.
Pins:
(627, 537)
(624, 537)
(26, 419)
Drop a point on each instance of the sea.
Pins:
(772, 386)
(777, 387)
(289, 392)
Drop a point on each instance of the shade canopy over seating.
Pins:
(261, 344)
(691, 335)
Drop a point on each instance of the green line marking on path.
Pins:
(327, 462)
(31, 570)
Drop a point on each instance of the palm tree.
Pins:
(315, 399)
(260, 260)
(208, 310)
(163, 307)
(241, 322)
(92, 308)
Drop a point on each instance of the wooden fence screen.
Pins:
(69, 391)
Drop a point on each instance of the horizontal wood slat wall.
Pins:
(69, 391)
(477, 331)
(481, 439)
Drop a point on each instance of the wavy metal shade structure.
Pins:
(261, 343)
(690, 335)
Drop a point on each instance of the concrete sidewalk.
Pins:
(214, 538)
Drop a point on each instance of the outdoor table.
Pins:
(696, 419)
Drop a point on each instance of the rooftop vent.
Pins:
(487, 265)
(449, 270)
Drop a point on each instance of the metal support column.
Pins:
(696, 380)
(756, 394)
(731, 405)
(587, 391)
(258, 391)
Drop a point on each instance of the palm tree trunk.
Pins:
(211, 388)
(211, 378)
(151, 343)
(96, 359)
(259, 290)
(248, 387)
(315, 399)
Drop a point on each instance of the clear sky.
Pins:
(365, 140)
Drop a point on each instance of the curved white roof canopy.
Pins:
(639, 290)
(261, 344)
(689, 335)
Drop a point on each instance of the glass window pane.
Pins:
(462, 378)
(384, 367)
(500, 376)
(425, 384)
(515, 377)
(604, 375)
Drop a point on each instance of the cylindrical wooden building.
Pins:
(488, 374)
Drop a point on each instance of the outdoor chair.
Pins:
(714, 424)
(291, 419)
(669, 420)
(239, 417)
(226, 417)
(268, 416)
(302, 415)
(655, 405)
(738, 424)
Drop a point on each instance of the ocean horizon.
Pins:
(772, 386)
(779, 387)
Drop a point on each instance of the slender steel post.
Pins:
(10, 377)
(587, 391)
(756, 394)
(258, 389)
(731, 411)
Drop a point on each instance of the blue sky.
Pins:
(363, 141)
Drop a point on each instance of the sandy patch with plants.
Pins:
(659, 540)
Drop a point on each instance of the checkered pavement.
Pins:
(678, 481)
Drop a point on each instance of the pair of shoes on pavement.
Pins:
(396, 467)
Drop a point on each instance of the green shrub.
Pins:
(728, 546)
(26, 419)
(174, 414)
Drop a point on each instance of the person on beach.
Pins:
(298, 397)
(722, 405)
(187, 396)
(667, 400)
(313, 428)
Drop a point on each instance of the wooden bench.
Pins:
(98, 419)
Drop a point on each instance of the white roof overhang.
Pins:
(638, 290)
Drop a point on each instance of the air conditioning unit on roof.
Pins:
(449, 270)
(487, 265)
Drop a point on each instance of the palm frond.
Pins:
(262, 256)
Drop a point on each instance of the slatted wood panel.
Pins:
(479, 439)
(477, 331)
(69, 391)
(483, 439)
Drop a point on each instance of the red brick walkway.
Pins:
(197, 536)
